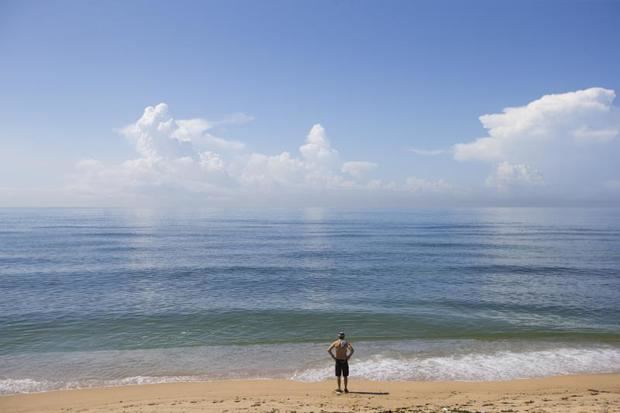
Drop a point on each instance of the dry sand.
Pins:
(585, 393)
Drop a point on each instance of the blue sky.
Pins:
(379, 77)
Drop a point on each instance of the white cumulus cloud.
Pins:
(587, 114)
(184, 155)
(570, 138)
(317, 150)
(157, 135)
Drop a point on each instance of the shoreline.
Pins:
(571, 393)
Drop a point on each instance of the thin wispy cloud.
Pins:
(426, 152)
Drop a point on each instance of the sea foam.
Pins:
(502, 365)
(13, 386)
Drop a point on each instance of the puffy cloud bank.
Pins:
(556, 140)
(561, 146)
(182, 157)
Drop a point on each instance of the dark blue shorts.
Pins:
(342, 368)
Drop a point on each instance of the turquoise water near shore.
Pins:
(109, 296)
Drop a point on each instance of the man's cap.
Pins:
(341, 334)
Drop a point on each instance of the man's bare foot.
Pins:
(346, 390)
(338, 391)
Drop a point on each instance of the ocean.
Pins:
(103, 297)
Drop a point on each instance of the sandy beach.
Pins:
(578, 393)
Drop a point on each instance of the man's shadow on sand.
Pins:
(373, 393)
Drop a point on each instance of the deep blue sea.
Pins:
(98, 297)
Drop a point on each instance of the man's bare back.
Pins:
(341, 347)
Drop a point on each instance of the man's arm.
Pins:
(352, 351)
(329, 350)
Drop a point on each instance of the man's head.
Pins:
(341, 335)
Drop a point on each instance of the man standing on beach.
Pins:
(341, 358)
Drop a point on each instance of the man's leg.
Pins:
(339, 383)
(338, 374)
(345, 374)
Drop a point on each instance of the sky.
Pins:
(309, 103)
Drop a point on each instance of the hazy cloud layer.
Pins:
(358, 169)
(508, 176)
